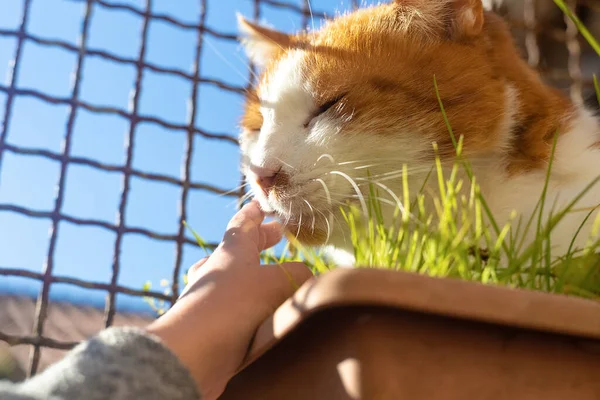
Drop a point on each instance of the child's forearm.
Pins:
(118, 364)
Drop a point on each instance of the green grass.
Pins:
(462, 240)
(580, 25)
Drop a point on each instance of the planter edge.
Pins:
(517, 308)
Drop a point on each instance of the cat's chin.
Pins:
(307, 234)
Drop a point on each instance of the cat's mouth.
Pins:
(309, 223)
(308, 210)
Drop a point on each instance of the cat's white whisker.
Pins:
(252, 73)
(225, 60)
(367, 166)
(328, 223)
(241, 199)
(325, 188)
(386, 176)
(379, 199)
(234, 190)
(285, 163)
(312, 17)
(361, 198)
(313, 214)
(374, 159)
(299, 224)
(393, 195)
(289, 215)
(322, 156)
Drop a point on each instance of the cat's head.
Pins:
(358, 95)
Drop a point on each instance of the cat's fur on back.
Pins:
(359, 95)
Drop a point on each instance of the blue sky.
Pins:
(30, 181)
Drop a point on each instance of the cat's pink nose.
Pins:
(267, 182)
(265, 177)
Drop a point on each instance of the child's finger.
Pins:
(247, 218)
(243, 229)
(271, 234)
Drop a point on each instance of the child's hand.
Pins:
(228, 295)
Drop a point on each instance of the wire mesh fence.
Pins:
(538, 30)
(552, 44)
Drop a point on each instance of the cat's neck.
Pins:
(574, 166)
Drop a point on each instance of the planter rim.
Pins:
(517, 308)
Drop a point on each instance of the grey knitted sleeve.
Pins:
(118, 364)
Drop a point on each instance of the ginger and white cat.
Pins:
(358, 94)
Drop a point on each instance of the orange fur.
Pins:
(252, 119)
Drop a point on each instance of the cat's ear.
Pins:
(467, 19)
(460, 18)
(261, 43)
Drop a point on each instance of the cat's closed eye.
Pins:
(323, 108)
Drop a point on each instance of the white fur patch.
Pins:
(340, 257)
(286, 103)
(576, 164)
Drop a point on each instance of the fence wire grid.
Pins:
(532, 32)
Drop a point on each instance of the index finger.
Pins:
(250, 216)
(244, 230)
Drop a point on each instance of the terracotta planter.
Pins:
(374, 334)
